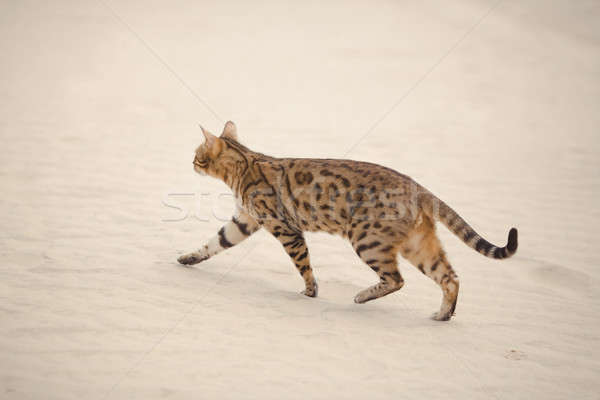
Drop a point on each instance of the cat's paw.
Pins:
(311, 292)
(439, 316)
(191, 258)
(363, 296)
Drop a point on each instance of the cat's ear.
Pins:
(230, 131)
(213, 143)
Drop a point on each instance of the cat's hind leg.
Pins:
(424, 250)
(382, 259)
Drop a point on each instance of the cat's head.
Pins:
(212, 157)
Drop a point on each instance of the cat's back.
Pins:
(345, 174)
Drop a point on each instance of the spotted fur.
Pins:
(380, 211)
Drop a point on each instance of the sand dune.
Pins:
(492, 106)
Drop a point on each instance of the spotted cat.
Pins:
(380, 211)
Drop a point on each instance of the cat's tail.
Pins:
(442, 212)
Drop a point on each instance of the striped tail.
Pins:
(454, 222)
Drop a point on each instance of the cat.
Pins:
(380, 211)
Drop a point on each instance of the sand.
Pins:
(492, 106)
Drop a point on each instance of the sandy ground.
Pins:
(494, 107)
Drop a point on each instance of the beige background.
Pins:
(494, 107)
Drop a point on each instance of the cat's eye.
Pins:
(200, 163)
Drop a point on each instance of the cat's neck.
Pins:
(237, 175)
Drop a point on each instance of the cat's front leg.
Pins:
(295, 245)
(239, 228)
